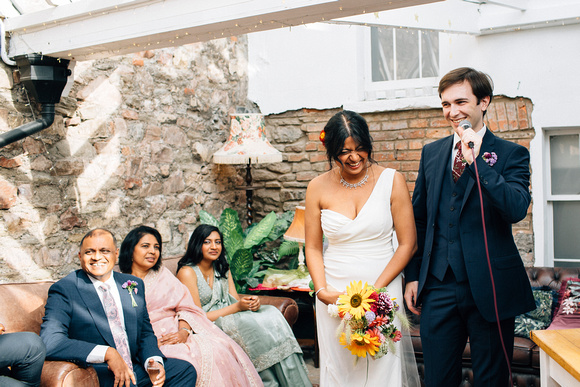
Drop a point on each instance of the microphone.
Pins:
(467, 125)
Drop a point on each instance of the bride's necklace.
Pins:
(355, 185)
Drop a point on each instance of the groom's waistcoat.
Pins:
(446, 242)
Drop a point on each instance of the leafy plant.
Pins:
(248, 251)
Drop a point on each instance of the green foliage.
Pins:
(248, 252)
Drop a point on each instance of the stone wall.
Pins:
(131, 144)
(398, 139)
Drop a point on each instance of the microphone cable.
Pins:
(507, 359)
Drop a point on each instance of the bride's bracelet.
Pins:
(318, 291)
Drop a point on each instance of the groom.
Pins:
(91, 319)
(449, 274)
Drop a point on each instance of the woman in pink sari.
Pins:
(182, 328)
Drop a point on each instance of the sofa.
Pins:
(22, 309)
(526, 360)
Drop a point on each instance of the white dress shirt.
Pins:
(97, 355)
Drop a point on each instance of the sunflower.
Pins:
(356, 301)
(360, 344)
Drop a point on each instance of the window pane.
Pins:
(382, 54)
(566, 241)
(407, 53)
(430, 53)
(565, 164)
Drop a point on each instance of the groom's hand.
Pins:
(123, 374)
(411, 297)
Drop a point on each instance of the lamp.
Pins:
(296, 233)
(247, 144)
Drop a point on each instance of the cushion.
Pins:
(538, 318)
(567, 315)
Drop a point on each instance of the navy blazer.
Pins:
(506, 198)
(75, 321)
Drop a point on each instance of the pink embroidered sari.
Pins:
(218, 360)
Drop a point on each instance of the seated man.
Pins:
(21, 358)
(99, 317)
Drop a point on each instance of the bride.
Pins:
(356, 205)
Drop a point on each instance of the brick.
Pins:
(416, 144)
(512, 116)
(297, 157)
(389, 125)
(311, 146)
(522, 114)
(401, 145)
(438, 133)
(306, 176)
(418, 133)
(314, 128)
(317, 157)
(418, 123)
(408, 155)
(409, 165)
(438, 123)
(138, 62)
(188, 91)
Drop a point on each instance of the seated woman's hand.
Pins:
(253, 302)
(173, 338)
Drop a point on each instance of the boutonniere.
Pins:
(131, 287)
(490, 158)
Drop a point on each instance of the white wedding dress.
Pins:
(360, 249)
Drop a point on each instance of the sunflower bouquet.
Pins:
(367, 320)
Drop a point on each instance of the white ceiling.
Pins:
(91, 29)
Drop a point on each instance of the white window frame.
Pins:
(551, 198)
(403, 88)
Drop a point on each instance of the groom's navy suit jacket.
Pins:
(75, 321)
(506, 199)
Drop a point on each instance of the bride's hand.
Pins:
(329, 296)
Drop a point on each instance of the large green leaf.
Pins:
(261, 231)
(241, 264)
(288, 248)
(281, 226)
(231, 229)
(206, 218)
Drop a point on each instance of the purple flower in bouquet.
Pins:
(384, 304)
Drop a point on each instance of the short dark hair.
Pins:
(341, 126)
(95, 232)
(481, 83)
(128, 247)
(194, 255)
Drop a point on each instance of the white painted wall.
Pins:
(322, 66)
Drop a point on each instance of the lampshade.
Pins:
(247, 142)
(296, 230)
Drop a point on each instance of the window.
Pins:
(404, 63)
(563, 196)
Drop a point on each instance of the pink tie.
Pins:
(116, 327)
(458, 163)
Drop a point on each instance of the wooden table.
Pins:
(559, 357)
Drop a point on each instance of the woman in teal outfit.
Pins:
(261, 331)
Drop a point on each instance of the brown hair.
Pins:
(481, 83)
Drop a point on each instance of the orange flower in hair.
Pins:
(322, 136)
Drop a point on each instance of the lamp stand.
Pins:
(249, 193)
